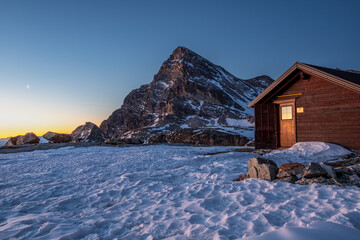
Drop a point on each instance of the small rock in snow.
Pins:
(290, 169)
(262, 168)
(314, 170)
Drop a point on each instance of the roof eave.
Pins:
(306, 68)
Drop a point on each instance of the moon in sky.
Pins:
(28, 86)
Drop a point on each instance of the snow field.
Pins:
(155, 192)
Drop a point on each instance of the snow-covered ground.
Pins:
(161, 192)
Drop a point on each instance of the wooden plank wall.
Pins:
(331, 112)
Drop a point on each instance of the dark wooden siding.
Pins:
(331, 112)
(266, 125)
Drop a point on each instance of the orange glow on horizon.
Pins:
(34, 114)
(39, 131)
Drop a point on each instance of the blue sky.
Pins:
(66, 62)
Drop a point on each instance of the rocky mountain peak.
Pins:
(183, 53)
(189, 91)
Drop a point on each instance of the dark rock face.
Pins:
(200, 136)
(88, 132)
(28, 138)
(187, 92)
(57, 137)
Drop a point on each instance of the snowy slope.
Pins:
(156, 192)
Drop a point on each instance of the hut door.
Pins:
(266, 125)
(287, 123)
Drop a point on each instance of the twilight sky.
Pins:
(66, 62)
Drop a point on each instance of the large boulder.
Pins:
(88, 132)
(28, 138)
(314, 170)
(262, 168)
(57, 137)
(290, 169)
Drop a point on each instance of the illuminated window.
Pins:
(286, 112)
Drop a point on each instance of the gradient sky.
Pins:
(66, 62)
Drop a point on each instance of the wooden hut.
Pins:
(309, 103)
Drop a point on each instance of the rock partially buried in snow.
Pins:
(329, 170)
(262, 168)
(314, 170)
(242, 177)
(28, 138)
(318, 180)
(57, 137)
(290, 169)
(290, 179)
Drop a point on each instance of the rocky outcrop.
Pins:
(88, 132)
(28, 138)
(58, 137)
(200, 136)
(187, 92)
(262, 168)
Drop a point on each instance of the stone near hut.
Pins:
(290, 169)
(314, 170)
(242, 177)
(262, 168)
(318, 180)
(289, 179)
(57, 137)
(329, 170)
